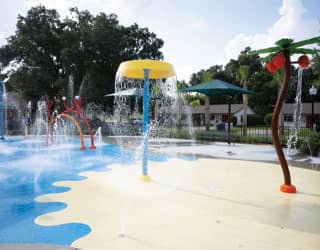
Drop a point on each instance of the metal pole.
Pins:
(312, 112)
(1, 112)
(145, 122)
(229, 119)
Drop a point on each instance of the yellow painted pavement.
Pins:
(198, 205)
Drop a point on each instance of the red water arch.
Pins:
(73, 120)
(76, 109)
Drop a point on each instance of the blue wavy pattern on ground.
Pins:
(28, 170)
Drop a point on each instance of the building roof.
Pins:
(288, 108)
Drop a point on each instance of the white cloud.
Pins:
(180, 31)
(125, 9)
(193, 40)
(292, 23)
(184, 69)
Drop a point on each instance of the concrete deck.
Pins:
(205, 204)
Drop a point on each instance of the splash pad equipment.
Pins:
(73, 120)
(76, 109)
(145, 70)
(280, 55)
(67, 114)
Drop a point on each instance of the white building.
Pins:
(306, 114)
(218, 113)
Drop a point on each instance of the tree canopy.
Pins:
(47, 50)
(264, 84)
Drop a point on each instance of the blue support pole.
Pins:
(145, 125)
(1, 112)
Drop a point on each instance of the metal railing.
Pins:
(260, 134)
(264, 135)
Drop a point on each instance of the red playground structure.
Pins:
(73, 114)
(76, 109)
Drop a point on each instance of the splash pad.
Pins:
(145, 70)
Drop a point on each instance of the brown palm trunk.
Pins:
(281, 116)
(275, 120)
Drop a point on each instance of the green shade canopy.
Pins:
(132, 92)
(217, 87)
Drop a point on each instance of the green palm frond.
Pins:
(302, 51)
(288, 44)
(306, 42)
(268, 57)
(195, 103)
(156, 89)
(243, 72)
(278, 76)
(266, 50)
(284, 43)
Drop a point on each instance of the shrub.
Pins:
(182, 134)
(253, 139)
(310, 144)
(237, 138)
(267, 119)
(175, 133)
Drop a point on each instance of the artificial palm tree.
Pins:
(279, 56)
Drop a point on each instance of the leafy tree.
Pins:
(243, 76)
(206, 77)
(265, 93)
(35, 47)
(48, 50)
(248, 65)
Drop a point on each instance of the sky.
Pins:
(197, 34)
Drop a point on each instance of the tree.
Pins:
(180, 85)
(248, 65)
(243, 76)
(35, 47)
(206, 77)
(48, 50)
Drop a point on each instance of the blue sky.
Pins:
(197, 34)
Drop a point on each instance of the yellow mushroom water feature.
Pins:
(145, 70)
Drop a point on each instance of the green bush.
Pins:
(310, 144)
(267, 119)
(182, 134)
(255, 120)
(237, 138)
(253, 139)
(175, 133)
